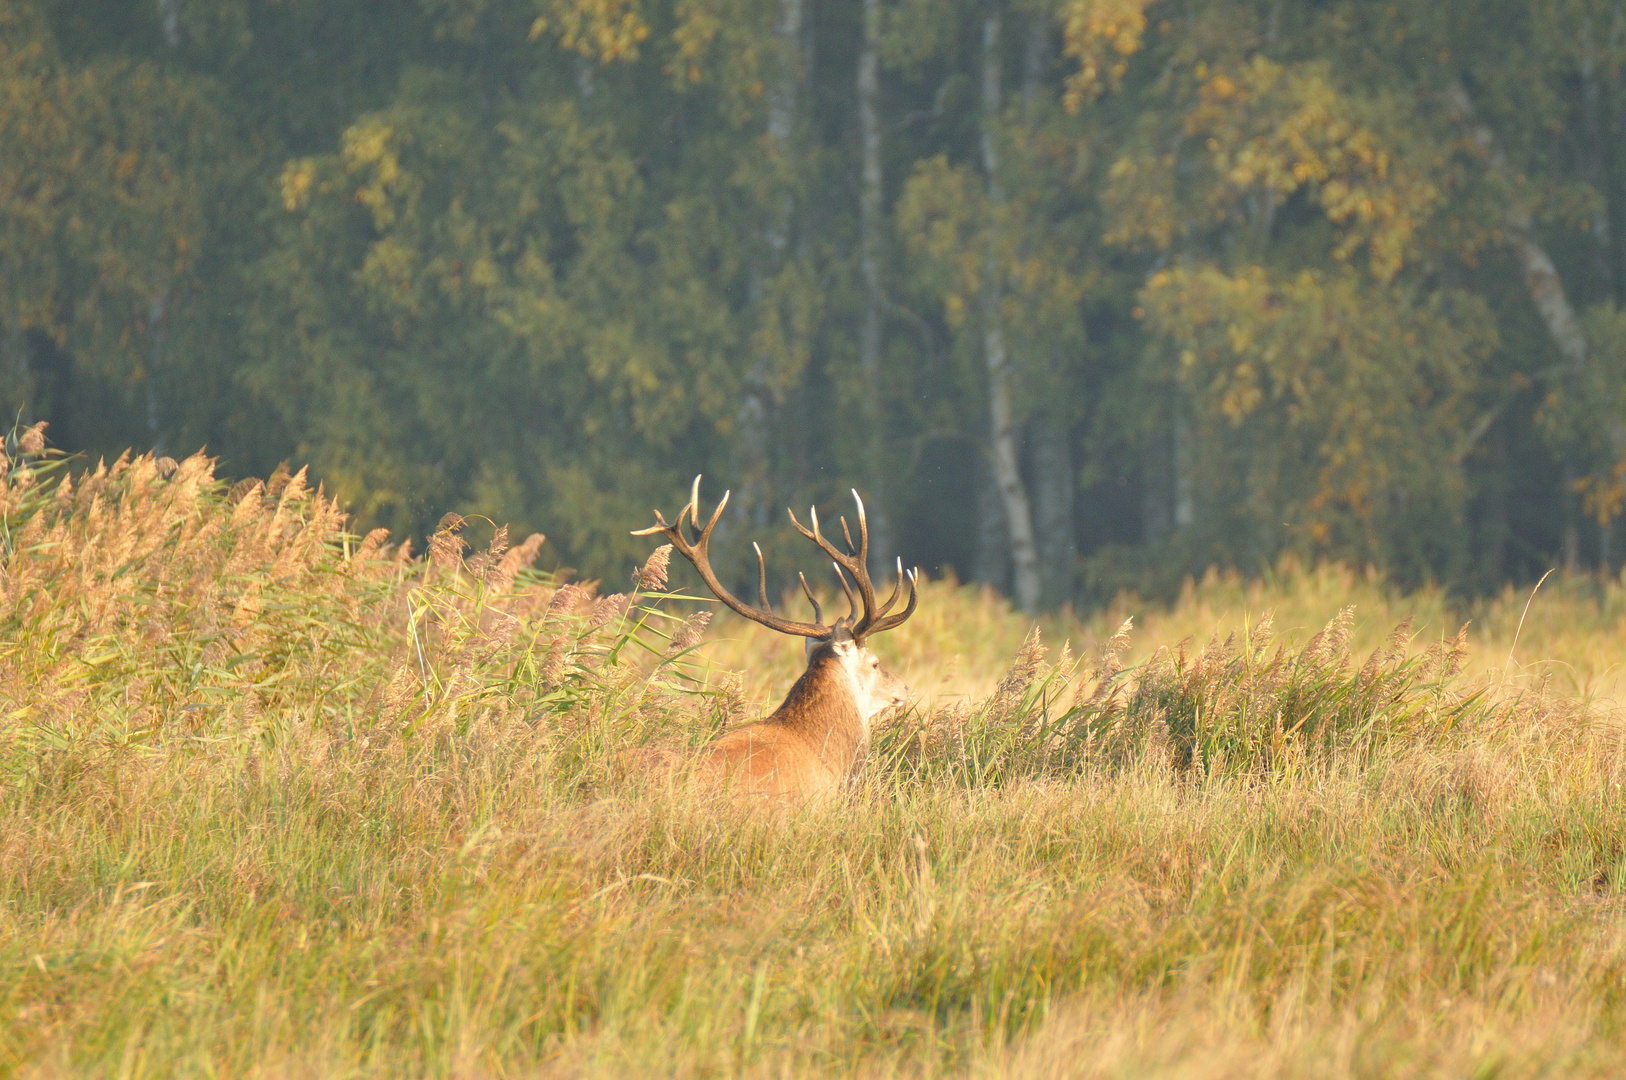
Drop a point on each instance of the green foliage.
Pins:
(103, 193)
(398, 265)
(1264, 268)
(1314, 396)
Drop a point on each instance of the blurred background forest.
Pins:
(1084, 295)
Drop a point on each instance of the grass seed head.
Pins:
(1025, 667)
(689, 634)
(31, 440)
(651, 577)
(607, 610)
(446, 546)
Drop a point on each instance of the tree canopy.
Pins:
(1082, 294)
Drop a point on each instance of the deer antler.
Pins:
(874, 619)
(855, 561)
(884, 621)
(696, 553)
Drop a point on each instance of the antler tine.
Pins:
(694, 511)
(897, 587)
(852, 606)
(762, 579)
(898, 620)
(813, 534)
(863, 527)
(851, 550)
(818, 612)
(853, 562)
(696, 552)
(692, 507)
(660, 526)
(858, 565)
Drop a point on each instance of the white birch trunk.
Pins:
(1050, 450)
(869, 260)
(1002, 426)
(169, 21)
(755, 419)
(1547, 292)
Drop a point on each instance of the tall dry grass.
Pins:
(1570, 634)
(277, 801)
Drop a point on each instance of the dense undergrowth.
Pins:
(276, 800)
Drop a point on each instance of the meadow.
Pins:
(279, 801)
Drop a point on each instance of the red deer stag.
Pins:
(810, 745)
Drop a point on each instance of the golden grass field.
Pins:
(279, 802)
(1573, 633)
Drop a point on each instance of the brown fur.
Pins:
(806, 749)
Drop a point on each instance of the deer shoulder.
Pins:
(809, 746)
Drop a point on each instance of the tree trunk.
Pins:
(1558, 315)
(156, 321)
(1182, 457)
(1614, 197)
(1552, 303)
(782, 109)
(869, 259)
(1002, 426)
(992, 565)
(756, 418)
(1049, 443)
(1495, 528)
(1594, 150)
(1168, 474)
(17, 382)
(1157, 488)
(1034, 57)
(169, 21)
(1050, 458)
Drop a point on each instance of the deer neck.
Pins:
(822, 708)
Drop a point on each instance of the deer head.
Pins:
(874, 689)
(842, 641)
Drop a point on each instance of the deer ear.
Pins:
(843, 632)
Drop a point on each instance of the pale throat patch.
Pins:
(873, 688)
